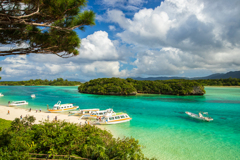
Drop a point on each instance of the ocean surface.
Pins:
(159, 121)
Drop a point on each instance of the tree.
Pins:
(64, 138)
(43, 26)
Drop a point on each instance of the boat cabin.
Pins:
(101, 113)
(18, 102)
(116, 117)
(88, 111)
(62, 106)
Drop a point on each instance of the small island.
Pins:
(118, 86)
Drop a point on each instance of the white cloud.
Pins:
(173, 61)
(98, 58)
(98, 47)
(112, 28)
(202, 35)
(109, 69)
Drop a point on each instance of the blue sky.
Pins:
(144, 38)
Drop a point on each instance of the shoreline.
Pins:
(40, 116)
(224, 86)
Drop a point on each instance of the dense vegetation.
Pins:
(43, 26)
(4, 124)
(58, 82)
(129, 86)
(63, 138)
(108, 86)
(220, 82)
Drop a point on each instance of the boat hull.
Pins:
(62, 110)
(113, 122)
(90, 117)
(12, 105)
(195, 116)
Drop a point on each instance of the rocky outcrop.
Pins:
(198, 90)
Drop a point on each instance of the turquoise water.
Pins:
(159, 121)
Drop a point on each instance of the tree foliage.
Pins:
(57, 82)
(4, 124)
(129, 86)
(108, 86)
(220, 82)
(64, 138)
(43, 26)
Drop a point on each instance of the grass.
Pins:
(4, 124)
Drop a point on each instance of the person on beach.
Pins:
(36, 110)
(40, 110)
(21, 117)
(8, 112)
(48, 117)
(9, 102)
(30, 110)
(55, 118)
(86, 122)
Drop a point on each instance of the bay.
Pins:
(159, 121)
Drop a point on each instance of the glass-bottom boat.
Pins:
(62, 107)
(113, 119)
(17, 103)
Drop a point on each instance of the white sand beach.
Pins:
(40, 116)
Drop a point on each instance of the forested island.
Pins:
(219, 82)
(118, 86)
(38, 82)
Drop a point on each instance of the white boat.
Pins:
(18, 103)
(83, 112)
(62, 107)
(113, 119)
(33, 96)
(199, 116)
(1, 95)
(96, 114)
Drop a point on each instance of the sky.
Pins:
(144, 38)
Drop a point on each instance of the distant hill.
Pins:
(157, 78)
(233, 74)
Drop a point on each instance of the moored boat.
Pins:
(17, 103)
(113, 119)
(96, 114)
(62, 107)
(1, 95)
(199, 116)
(33, 96)
(83, 112)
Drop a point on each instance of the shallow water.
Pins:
(159, 121)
